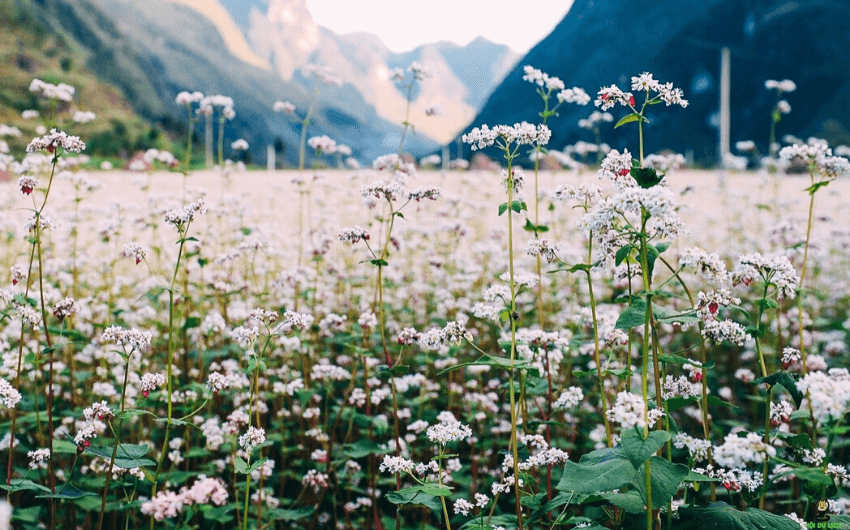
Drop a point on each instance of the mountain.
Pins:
(154, 50)
(284, 34)
(600, 42)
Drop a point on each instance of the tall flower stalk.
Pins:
(509, 139)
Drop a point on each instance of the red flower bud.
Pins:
(145, 393)
(86, 443)
(14, 282)
(696, 377)
(26, 190)
(632, 101)
(623, 172)
(712, 307)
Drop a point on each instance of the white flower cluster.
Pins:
(668, 94)
(391, 191)
(710, 266)
(726, 330)
(586, 194)
(665, 163)
(150, 382)
(393, 163)
(239, 145)
(283, 106)
(225, 103)
(594, 119)
(38, 458)
(65, 308)
(574, 95)
(828, 393)
(786, 85)
(61, 92)
(396, 464)
(167, 504)
(425, 192)
(544, 248)
(709, 303)
(27, 184)
(680, 387)
(790, 357)
(134, 251)
(628, 411)
(252, 438)
(50, 141)
(450, 431)
(697, 448)
(453, 333)
(130, 339)
(780, 413)
(217, 382)
(817, 155)
(520, 133)
(81, 116)
(738, 451)
(616, 166)
(10, 396)
(569, 398)
(610, 96)
(776, 269)
(187, 98)
(180, 217)
(322, 143)
(353, 234)
(99, 411)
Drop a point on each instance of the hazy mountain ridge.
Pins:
(601, 42)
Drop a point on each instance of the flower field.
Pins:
(635, 347)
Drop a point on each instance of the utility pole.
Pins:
(725, 88)
(270, 158)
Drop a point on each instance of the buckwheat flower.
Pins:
(134, 251)
(744, 374)
(420, 70)
(533, 75)
(783, 107)
(150, 382)
(520, 133)
(828, 394)
(283, 106)
(838, 473)
(463, 507)
(391, 191)
(30, 114)
(187, 98)
(680, 387)
(130, 339)
(353, 234)
(27, 184)
(396, 464)
(697, 448)
(10, 396)
(239, 145)
(455, 332)
(583, 193)
(99, 411)
(434, 109)
(49, 142)
(38, 458)
(516, 181)
(84, 116)
(425, 192)
(28, 315)
(315, 479)
(65, 308)
(180, 217)
(294, 319)
(443, 433)
(61, 92)
(542, 247)
(615, 166)
(481, 500)
(790, 357)
(780, 412)
(217, 382)
(628, 411)
(252, 438)
(45, 222)
(164, 505)
(738, 451)
(322, 143)
(672, 96)
(206, 490)
(84, 436)
(708, 304)
(710, 266)
(574, 95)
(609, 97)
(645, 82)
(569, 398)
(245, 336)
(727, 330)
(19, 274)
(746, 146)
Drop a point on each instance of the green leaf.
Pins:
(816, 186)
(766, 303)
(629, 118)
(128, 456)
(67, 491)
(721, 516)
(503, 208)
(661, 247)
(676, 403)
(630, 502)
(623, 253)
(603, 470)
(437, 490)
(363, 448)
(531, 227)
(665, 477)
(489, 360)
(395, 371)
(191, 322)
(518, 206)
(693, 476)
(716, 401)
(416, 496)
(788, 383)
(378, 262)
(292, 515)
(256, 465)
(505, 315)
(19, 484)
(633, 316)
(646, 177)
(240, 466)
(638, 449)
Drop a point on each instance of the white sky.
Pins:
(404, 25)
